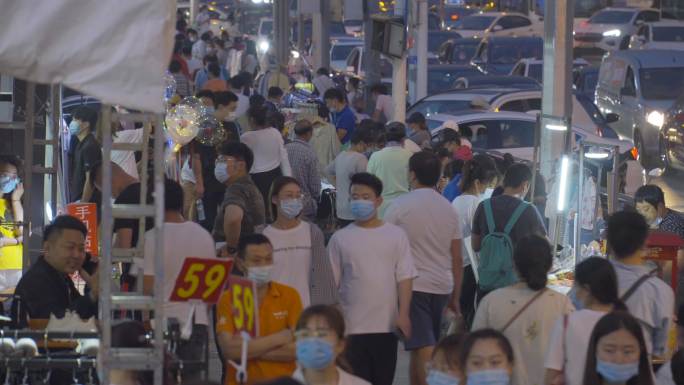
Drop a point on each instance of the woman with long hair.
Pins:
(595, 293)
(617, 352)
(487, 358)
(525, 312)
(320, 348)
(299, 256)
(11, 218)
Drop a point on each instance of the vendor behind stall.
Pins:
(46, 288)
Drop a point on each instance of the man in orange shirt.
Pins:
(215, 83)
(272, 354)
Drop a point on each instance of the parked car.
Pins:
(659, 35)
(458, 51)
(585, 80)
(353, 27)
(452, 14)
(340, 50)
(610, 29)
(671, 143)
(484, 24)
(640, 86)
(534, 68)
(355, 64)
(441, 77)
(493, 81)
(435, 41)
(498, 55)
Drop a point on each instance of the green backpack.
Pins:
(496, 254)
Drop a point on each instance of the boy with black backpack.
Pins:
(498, 224)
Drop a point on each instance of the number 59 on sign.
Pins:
(244, 310)
(201, 279)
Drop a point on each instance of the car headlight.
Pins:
(295, 54)
(612, 33)
(264, 46)
(656, 118)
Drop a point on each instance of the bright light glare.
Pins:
(656, 118)
(562, 191)
(597, 154)
(264, 46)
(48, 212)
(612, 33)
(295, 54)
(556, 127)
(257, 1)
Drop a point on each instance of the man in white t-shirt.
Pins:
(373, 269)
(384, 106)
(434, 232)
(182, 239)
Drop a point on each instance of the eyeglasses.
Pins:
(306, 333)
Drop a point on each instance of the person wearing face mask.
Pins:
(305, 167)
(272, 353)
(371, 288)
(299, 255)
(342, 116)
(242, 209)
(479, 174)
(617, 353)
(86, 152)
(487, 358)
(594, 295)
(11, 216)
(226, 103)
(444, 367)
(320, 348)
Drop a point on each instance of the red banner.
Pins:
(87, 213)
(201, 279)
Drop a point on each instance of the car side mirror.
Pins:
(612, 118)
(497, 28)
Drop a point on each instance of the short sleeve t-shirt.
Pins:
(503, 206)
(431, 225)
(385, 104)
(367, 265)
(126, 159)
(244, 194)
(85, 155)
(345, 120)
(465, 206)
(292, 258)
(342, 168)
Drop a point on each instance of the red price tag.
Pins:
(244, 310)
(201, 279)
(87, 213)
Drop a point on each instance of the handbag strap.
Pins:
(522, 309)
(565, 339)
(637, 284)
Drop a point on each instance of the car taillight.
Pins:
(454, 17)
(635, 153)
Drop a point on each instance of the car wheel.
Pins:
(647, 161)
(624, 44)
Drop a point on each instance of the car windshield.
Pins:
(431, 107)
(673, 34)
(473, 22)
(462, 53)
(512, 52)
(501, 134)
(341, 51)
(661, 83)
(442, 79)
(535, 71)
(611, 17)
(436, 39)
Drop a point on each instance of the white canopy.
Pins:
(114, 50)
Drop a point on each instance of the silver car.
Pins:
(610, 29)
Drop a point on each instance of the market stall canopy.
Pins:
(116, 51)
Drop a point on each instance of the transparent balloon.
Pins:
(211, 131)
(182, 123)
(169, 86)
(195, 104)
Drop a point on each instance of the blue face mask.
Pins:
(7, 184)
(362, 210)
(617, 373)
(291, 208)
(74, 127)
(489, 377)
(314, 353)
(221, 172)
(436, 377)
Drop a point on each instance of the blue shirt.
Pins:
(451, 191)
(345, 120)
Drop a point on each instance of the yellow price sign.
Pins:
(245, 311)
(201, 279)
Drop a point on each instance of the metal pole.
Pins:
(28, 169)
(325, 34)
(535, 158)
(158, 158)
(422, 50)
(282, 31)
(371, 58)
(105, 312)
(300, 27)
(613, 197)
(578, 216)
(399, 73)
(56, 115)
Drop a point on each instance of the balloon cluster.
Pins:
(189, 119)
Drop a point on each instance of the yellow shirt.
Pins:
(10, 256)
(279, 310)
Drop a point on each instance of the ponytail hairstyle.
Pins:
(482, 167)
(533, 259)
(597, 275)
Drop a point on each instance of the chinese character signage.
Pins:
(87, 213)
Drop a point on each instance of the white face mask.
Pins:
(261, 274)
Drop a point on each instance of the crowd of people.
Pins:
(426, 234)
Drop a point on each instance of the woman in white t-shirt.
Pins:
(526, 312)
(478, 174)
(268, 147)
(300, 259)
(320, 348)
(595, 294)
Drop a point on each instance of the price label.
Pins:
(243, 299)
(201, 279)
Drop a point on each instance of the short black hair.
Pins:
(323, 71)
(186, 50)
(303, 127)
(174, 66)
(379, 88)
(224, 98)
(533, 259)
(259, 114)
(239, 151)
(206, 94)
(361, 135)
(426, 166)
(275, 92)
(334, 93)
(63, 222)
(256, 100)
(396, 132)
(206, 36)
(627, 233)
(211, 58)
(367, 179)
(450, 136)
(86, 114)
(650, 194)
(173, 195)
(516, 175)
(251, 239)
(214, 69)
(14, 161)
(277, 120)
(416, 118)
(485, 334)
